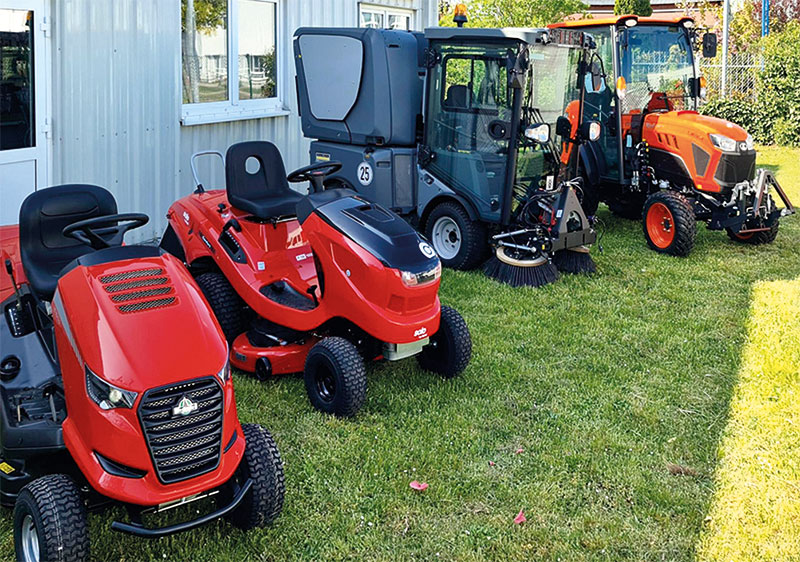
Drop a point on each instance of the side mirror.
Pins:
(563, 127)
(595, 80)
(590, 130)
(538, 133)
(709, 45)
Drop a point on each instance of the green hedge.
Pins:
(775, 116)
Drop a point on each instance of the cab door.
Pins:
(23, 118)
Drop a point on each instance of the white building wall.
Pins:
(116, 98)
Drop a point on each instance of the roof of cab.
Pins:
(525, 34)
(613, 20)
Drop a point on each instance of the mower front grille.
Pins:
(182, 426)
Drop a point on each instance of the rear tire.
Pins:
(630, 209)
(450, 348)
(50, 521)
(262, 464)
(669, 223)
(460, 242)
(335, 377)
(227, 306)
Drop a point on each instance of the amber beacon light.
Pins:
(460, 15)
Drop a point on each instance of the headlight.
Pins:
(414, 279)
(106, 395)
(748, 143)
(225, 373)
(722, 142)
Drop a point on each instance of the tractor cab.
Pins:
(491, 109)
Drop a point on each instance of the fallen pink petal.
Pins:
(420, 486)
(491, 463)
(518, 451)
(520, 518)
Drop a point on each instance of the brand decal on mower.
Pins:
(426, 250)
(184, 407)
(421, 333)
(301, 257)
(186, 218)
(364, 173)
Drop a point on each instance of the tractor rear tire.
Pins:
(50, 521)
(629, 209)
(669, 223)
(460, 242)
(450, 348)
(262, 464)
(227, 306)
(335, 377)
(755, 238)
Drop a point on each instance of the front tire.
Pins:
(227, 306)
(450, 348)
(50, 521)
(335, 377)
(459, 241)
(755, 238)
(262, 464)
(669, 223)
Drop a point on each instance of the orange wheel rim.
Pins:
(660, 225)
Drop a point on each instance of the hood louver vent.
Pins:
(139, 290)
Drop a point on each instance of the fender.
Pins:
(468, 207)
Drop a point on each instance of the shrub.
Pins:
(787, 132)
(638, 7)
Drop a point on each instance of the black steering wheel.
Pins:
(315, 174)
(104, 232)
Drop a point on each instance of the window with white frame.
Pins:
(229, 60)
(381, 17)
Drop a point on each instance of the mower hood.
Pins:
(693, 124)
(379, 231)
(139, 323)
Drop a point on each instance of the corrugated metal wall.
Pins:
(116, 98)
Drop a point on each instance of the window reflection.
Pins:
(16, 80)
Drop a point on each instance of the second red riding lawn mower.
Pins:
(115, 385)
(314, 283)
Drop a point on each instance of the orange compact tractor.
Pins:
(657, 157)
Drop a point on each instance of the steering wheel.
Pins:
(308, 173)
(92, 231)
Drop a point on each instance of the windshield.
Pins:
(657, 66)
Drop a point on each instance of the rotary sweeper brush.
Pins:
(453, 129)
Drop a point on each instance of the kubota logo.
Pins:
(421, 333)
(184, 407)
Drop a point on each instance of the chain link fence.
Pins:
(742, 70)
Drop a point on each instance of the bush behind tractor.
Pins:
(657, 157)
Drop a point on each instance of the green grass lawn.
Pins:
(617, 388)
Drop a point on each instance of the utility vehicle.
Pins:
(451, 129)
(115, 385)
(313, 283)
(658, 159)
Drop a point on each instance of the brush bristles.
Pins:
(534, 276)
(569, 261)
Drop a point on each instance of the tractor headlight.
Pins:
(225, 373)
(415, 279)
(106, 395)
(726, 144)
(748, 143)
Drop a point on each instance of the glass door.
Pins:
(23, 144)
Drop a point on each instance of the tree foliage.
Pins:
(638, 7)
(513, 13)
(208, 14)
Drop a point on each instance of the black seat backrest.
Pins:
(269, 181)
(457, 97)
(42, 217)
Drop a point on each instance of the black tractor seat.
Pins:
(44, 214)
(263, 191)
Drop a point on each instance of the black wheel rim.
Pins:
(325, 383)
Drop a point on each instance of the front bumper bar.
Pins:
(750, 204)
(137, 528)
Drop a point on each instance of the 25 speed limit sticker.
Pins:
(364, 173)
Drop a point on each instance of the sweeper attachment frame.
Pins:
(453, 129)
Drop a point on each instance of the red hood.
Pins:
(695, 123)
(145, 342)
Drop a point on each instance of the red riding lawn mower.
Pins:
(658, 159)
(115, 385)
(315, 283)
